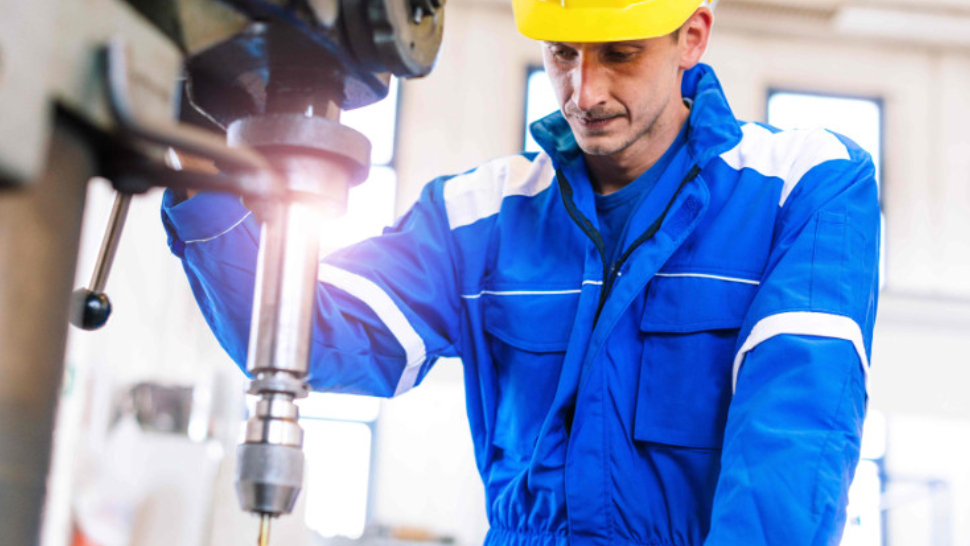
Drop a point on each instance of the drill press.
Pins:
(273, 76)
(288, 109)
(278, 86)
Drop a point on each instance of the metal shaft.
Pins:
(264, 530)
(112, 236)
(39, 232)
(285, 283)
(270, 468)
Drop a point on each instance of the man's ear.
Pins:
(694, 36)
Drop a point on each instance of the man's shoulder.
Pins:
(479, 192)
(512, 172)
(777, 152)
(795, 156)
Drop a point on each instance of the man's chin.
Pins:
(598, 146)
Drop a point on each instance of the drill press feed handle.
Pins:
(90, 307)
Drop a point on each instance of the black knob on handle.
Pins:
(90, 307)
(89, 310)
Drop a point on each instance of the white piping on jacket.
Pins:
(227, 230)
(706, 276)
(529, 292)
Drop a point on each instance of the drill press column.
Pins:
(270, 471)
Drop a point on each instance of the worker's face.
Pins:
(613, 93)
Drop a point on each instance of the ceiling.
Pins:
(933, 23)
(938, 23)
(920, 5)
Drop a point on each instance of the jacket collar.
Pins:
(713, 127)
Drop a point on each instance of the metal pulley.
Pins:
(398, 36)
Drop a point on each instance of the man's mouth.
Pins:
(596, 123)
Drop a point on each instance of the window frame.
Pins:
(530, 70)
(879, 101)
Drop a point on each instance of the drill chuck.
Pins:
(269, 477)
(269, 471)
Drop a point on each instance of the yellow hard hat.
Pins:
(601, 20)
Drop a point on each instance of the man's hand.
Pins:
(181, 161)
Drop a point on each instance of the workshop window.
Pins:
(857, 118)
(370, 206)
(540, 101)
(864, 516)
(339, 444)
(339, 439)
(860, 119)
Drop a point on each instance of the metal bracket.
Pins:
(252, 171)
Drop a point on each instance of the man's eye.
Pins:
(619, 56)
(563, 53)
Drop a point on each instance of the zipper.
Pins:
(611, 271)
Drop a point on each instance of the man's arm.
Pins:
(794, 427)
(386, 308)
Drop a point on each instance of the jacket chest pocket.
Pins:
(689, 328)
(527, 337)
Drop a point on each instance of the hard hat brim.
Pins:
(553, 21)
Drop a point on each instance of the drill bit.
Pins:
(264, 530)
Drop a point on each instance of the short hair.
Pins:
(675, 35)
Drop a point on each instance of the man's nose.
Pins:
(590, 84)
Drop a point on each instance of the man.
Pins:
(664, 318)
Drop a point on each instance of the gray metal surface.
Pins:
(39, 233)
(25, 52)
(312, 134)
(271, 430)
(407, 34)
(269, 477)
(195, 24)
(51, 51)
(285, 290)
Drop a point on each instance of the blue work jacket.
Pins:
(707, 388)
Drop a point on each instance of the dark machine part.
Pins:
(39, 235)
(295, 56)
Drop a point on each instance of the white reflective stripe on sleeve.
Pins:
(479, 194)
(788, 155)
(803, 324)
(384, 307)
